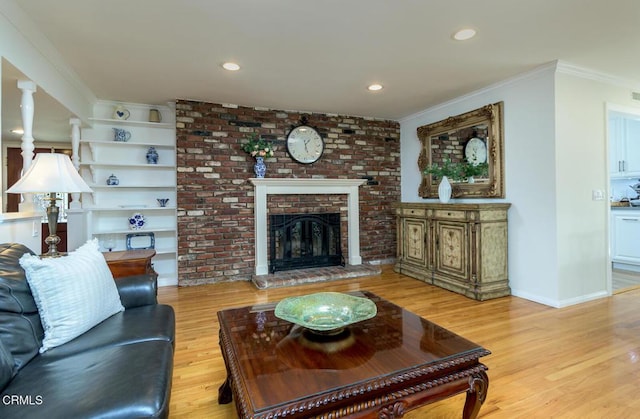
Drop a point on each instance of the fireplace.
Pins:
(304, 241)
(292, 186)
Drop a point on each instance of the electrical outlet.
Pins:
(35, 232)
(597, 195)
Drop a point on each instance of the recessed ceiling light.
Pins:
(464, 34)
(375, 87)
(231, 66)
(18, 131)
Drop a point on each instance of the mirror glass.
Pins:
(473, 142)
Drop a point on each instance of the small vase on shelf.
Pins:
(260, 168)
(444, 190)
(152, 156)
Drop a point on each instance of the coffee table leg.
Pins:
(476, 395)
(224, 392)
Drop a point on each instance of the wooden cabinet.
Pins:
(130, 262)
(459, 247)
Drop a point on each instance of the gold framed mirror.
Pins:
(464, 140)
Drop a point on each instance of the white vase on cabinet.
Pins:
(444, 190)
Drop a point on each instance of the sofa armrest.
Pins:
(137, 290)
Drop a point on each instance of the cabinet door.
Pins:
(452, 249)
(624, 145)
(632, 146)
(415, 247)
(616, 144)
(626, 238)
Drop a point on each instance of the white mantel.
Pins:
(295, 186)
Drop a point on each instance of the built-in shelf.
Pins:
(106, 210)
(132, 123)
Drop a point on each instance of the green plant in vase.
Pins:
(453, 171)
(258, 146)
(471, 170)
(445, 171)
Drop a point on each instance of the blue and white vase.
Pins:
(260, 169)
(152, 156)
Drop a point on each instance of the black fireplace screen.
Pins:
(304, 241)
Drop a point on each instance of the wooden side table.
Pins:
(130, 262)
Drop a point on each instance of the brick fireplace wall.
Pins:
(215, 200)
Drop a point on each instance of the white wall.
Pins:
(529, 174)
(555, 156)
(582, 166)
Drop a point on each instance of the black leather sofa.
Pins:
(121, 368)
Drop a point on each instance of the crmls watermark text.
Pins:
(20, 400)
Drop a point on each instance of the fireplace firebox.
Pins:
(304, 241)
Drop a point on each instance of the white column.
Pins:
(75, 157)
(27, 109)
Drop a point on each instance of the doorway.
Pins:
(623, 138)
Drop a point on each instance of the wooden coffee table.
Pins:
(379, 368)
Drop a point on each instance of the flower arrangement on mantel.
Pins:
(457, 171)
(258, 147)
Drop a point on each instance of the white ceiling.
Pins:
(319, 55)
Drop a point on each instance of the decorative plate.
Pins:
(121, 113)
(136, 221)
(325, 311)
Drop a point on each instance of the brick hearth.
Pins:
(306, 276)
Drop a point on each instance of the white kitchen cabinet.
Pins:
(107, 209)
(624, 145)
(625, 237)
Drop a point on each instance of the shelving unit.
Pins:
(107, 209)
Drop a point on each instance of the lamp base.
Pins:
(53, 239)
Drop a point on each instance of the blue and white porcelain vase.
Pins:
(444, 190)
(260, 169)
(152, 156)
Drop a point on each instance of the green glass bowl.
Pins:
(325, 311)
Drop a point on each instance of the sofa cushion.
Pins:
(141, 324)
(73, 293)
(126, 381)
(20, 329)
(7, 366)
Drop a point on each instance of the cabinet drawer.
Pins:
(450, 215)
(413, 212)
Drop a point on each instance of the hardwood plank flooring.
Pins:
(623, 280)
(577, 362)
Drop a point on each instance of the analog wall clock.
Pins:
(304, 144)
(475, 151)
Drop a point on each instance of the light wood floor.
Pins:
(623, 280)
(578, 362)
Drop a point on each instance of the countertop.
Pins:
(625, 208)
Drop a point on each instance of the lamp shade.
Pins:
(50, 172)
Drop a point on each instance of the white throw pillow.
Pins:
(73, 293)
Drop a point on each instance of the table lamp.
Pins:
(51, 173)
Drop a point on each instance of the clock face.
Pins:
(304, 144)
(476, 151)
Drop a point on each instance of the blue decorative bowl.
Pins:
(136, 221)
(325, 312)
